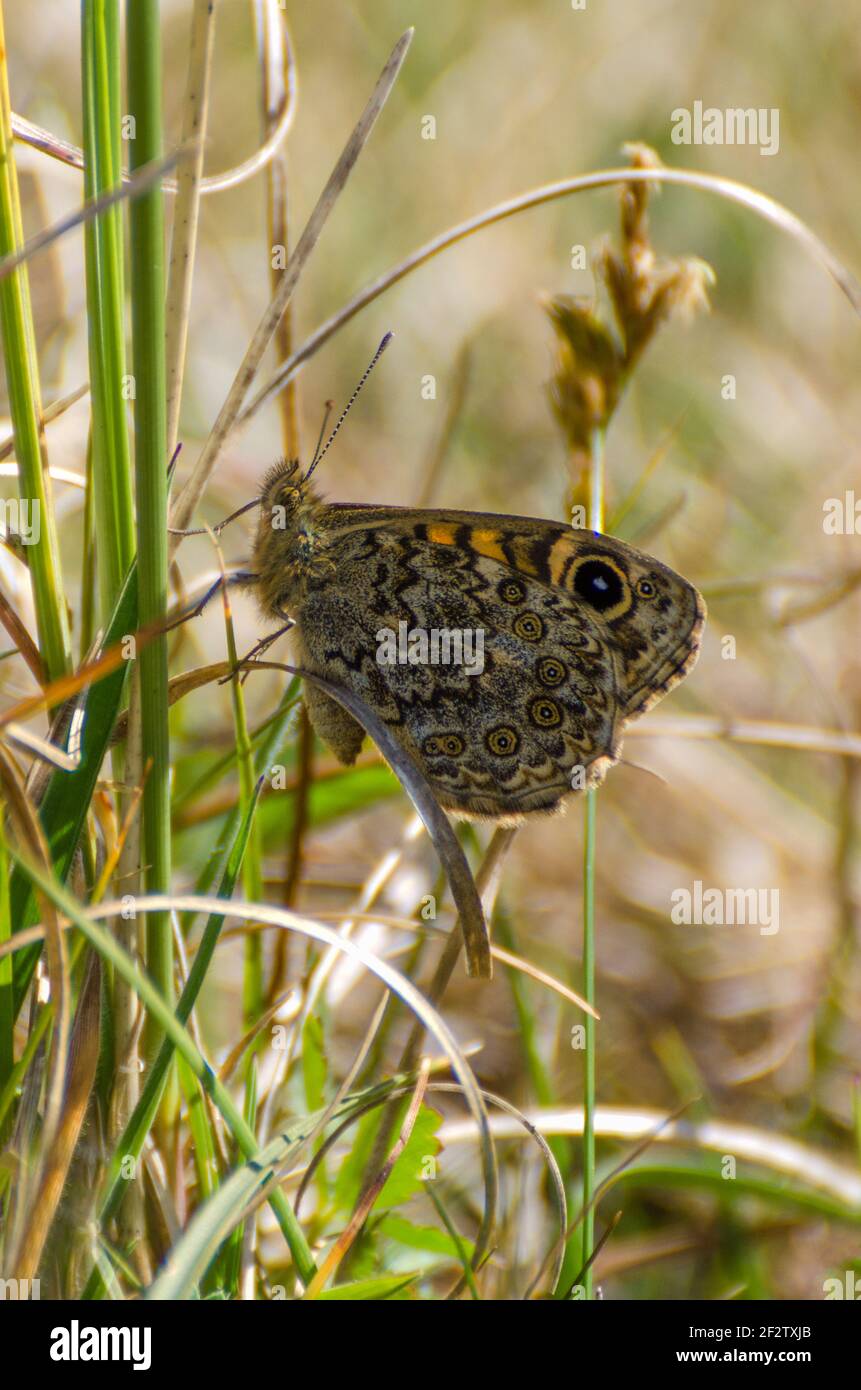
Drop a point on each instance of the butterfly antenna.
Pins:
(320, 453)
(327, 413)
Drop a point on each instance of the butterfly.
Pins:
(505, 654)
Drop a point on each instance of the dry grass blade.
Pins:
(227, 416)
(42, 747)
(178, 687)
(24, 1236)
(63, 689)
(810, 1166)
(49, 413)
(27, 648)
(83, 1059)
(186, 210)
(557, 1254)
(139, 183)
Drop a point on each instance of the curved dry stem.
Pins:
(802, 737)
(809, 1166)
(29, 133)
(760, 203)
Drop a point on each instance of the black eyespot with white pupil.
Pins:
(550, 671)
(512, 591)
(503, 741)
(446, 745)
(529, 626)
(599, 584)
(545, 713)
(645, 588)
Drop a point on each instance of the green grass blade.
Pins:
(64, 806)
(18, 336)
(103, 242)
(146, 223)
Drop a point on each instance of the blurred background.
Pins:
(761, 1030)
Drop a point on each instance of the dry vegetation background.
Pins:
(757, 1029)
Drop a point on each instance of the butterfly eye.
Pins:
(550, 671)
(601, 584)
(529, 626)
(452, 745)
(512, 591)
(502, 741)
(545, 713)
(645, 588)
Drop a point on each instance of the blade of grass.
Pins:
(186, 210)
(25, 404)
(103, 241)
(146, 223)
(64, 806)
(7, 1011)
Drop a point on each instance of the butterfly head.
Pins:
(290, 544)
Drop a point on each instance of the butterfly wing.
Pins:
(503, 687)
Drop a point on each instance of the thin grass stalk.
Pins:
(109, 508)
(25, 404)
(103, 243)
(274, 47)
(252, 867)
(596, 523)
(187, 209)
(146, 222)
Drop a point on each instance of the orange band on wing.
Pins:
(487, 543)
(441, 533)
(559, 556)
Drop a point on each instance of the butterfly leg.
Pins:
(238, 577)
(257, 650)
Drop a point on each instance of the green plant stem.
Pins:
(103, 241)
(588, 989)
(596, 522)
(25, 404)
(146, 221)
